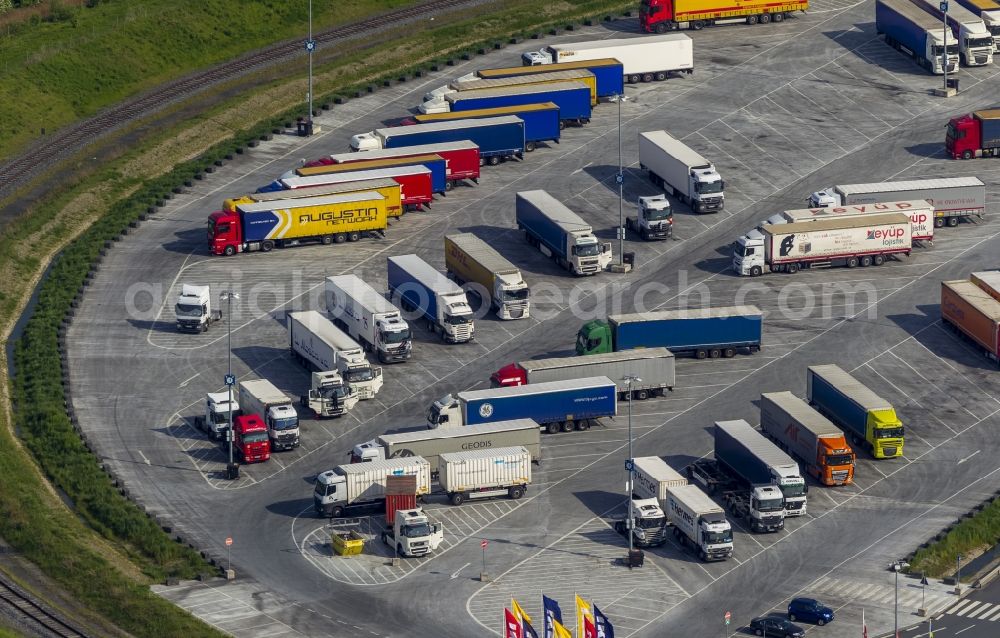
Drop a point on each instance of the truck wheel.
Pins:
(878, 260)
(229, 251)
(661, 28)
(493, 160)
(852, 262)
(765, 18)
(337, 512)
(714, 353)
(552, 428)
(647, 77)
(698, 25)
(582, 426)
(326, 240)
(729, 353)
(642, 395)
(952, 222)
(755, 271)
(515, 492)
(661, 76)
(791, 269)
(701, 353)
(866, 261)
(457, 498)
(340, 238)
(529, 146)
(751, 19)
(633, 79)
(449, 185)
(399, 550)
(939, 222)
(567, 426)
(266, 246)
(355, 236)
(967, 155)
(778, 17)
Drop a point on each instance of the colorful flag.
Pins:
(602, 625)
(558, 631)
(519, 611)
(582, 614)
(511, 625)
(589, 631)
(552, 613)
(529, 631)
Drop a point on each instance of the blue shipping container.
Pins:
(572, 98)
(415, 281)
(837, 407)
(558, 401)
(688, 330)
(496, 136)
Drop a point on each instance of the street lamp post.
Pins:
(897, 565)
(620, 178)
(310, 47)
(944, 29)
(232, 469)
(630, 521)
(958, 576)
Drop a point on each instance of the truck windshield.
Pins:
(656, 215)
(416, 531)
(589, 250)
(359, 374)
(255, 437)
(519, 294)
(994, 29)
(889, 433)
(936, 50)
(952, 133)
(707, 188)
(719, 537)
(652, 522)
(793, 490)
(188, 310)
(771, 505)
(981, 42)
(288, 423)
(838, 459)
(458, 320)
(433, 416)
(221, 417)
(742, 251)
(395, 337)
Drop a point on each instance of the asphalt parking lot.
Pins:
(782, 110)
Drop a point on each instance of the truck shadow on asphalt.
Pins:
(194, 241)
(950, 345)
(934, 150)
(292, 508)
(159, 325)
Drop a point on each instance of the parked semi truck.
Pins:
(975, 42)
(251, 443)
(559, 233)
(974, 313)
(216, 419)
(608, 72)
(643, 59)
(655, 218)
(849, 241)
(347, 488)
(498, 283)
(651, 478)
(704, 332)
(414, 186)
(988, 281)
(194, 309)
(660, 16)
(975, 134)
(555, 406)
(477, 474)
(321, 346)
(654, 368)
(473, 83)
(572, 98)
(462, 159)
(866, 417)
(911, 30)
(412, 533)
(384, 186)
(433, 162)
(289, 222)
(920, 212)
(260, 397)
(541, 121)
(648, 523)
(699, 523)
(431, 444)
(807, 435)
(419, 287)
(953, 198)
(681, 171)
(368, 318)
(989, 11)
(751, 458)
(498, 138)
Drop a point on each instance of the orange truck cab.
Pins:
(250, 441)
(795, 426)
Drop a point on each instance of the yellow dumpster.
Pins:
(347, 543)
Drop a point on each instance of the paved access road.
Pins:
(783, 110)
(975, 616)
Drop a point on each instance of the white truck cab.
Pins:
(194, 309)
(215, 422)
(412, 534)
(329, 395)
(444, 412)
(655, 219)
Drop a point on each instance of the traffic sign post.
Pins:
(230, 379)
(483, 576)
(727, 618)
(229, 545)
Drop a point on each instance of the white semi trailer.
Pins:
(699, 523)
(681, 171)
(368, 317)
(643, 59)
(322, 346)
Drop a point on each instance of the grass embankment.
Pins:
(970, 538)
(54, 73)
(93, 566)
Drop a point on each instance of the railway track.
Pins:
(31, 616)
(67, 141)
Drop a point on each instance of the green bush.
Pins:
(972, 535)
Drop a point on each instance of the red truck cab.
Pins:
(655, 15)
(250, 441)
(509, 375)
(225, 234)
(974, 134)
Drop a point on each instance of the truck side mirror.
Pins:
(806, 490)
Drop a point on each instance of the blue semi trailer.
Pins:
(555, 406)
(541, 121)
(572, 98)
(913, 31)
(498, 138)
(559, 233)
(417, 286)
(608, 72)
(704, 332)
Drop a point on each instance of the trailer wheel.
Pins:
(778, 17)
(567, 426)
(354, 236)
(266, 246)
(552, 428)
(729, 353)
(852, 262)
(967, 155)
(952, 222)
(765, 18)
(661, 76)
(661, 27)
(229, 251)
(701, 353)
(494, 160)
(337, 512)
(791, 269)
(647, 77)
(878, 260)
(582, 426)
(633, 79)
(450, 184)
(866, 261)
(939, 222)
(698, 25)
(751, 19)
(457, 498)
(529, 146)
(642, 395)
(714, 353)
(340, 238)
(515, 492)
(326, 240)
